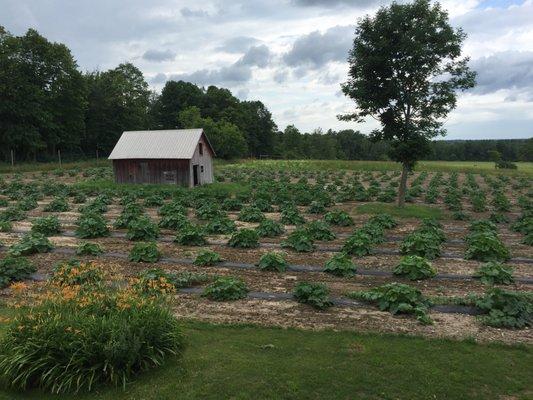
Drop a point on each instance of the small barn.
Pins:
(179, 156)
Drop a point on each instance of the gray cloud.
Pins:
(238, 44)
(159, 55)
(314, 50)
(256, 56)
(512, 70)
(188, 13)
(336, 3)
(281, 75)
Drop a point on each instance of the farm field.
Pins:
(326, 228)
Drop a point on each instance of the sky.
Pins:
(289, 54)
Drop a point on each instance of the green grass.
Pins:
(408, 211)
(50, 166)
(249, 362)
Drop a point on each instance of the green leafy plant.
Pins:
(48, 226)
(89, 249)
(251, 214)
(6, 226)
(207, 257)
(145, 252)
(300, 241)
(130, 212)
(339, 218)
(495, 273)
(75, 273)
(273, 261)
(59, 204)
(507, 308)
(244, 238)
(226, 288)
(358, 244)
(191, 235)
(220, 226)
(340, 264)
(270, 228)
(415, 268)
(319, 230)
(314, 294)
(421, 244)
(386, 221)
(31, 243)
(142, 228)
(13, 269)
(291, 216)
(91, 226)
(173, 221)
(486, 246)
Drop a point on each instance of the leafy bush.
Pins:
(483, 225)
(340, 265)
(145, 252)
(485, 246)
(316, 207)
(48, 226)
(232, 204)
(208, 211)
(13, 269)
(27, 204)
(460, 216)
(59, 204)
(188, 279)
(319, 230)
(421, 244)
(384, 220)
(100, 336)
(263, 205)
(12, 214)
(130, 213)
(172, 208)
(339, 218)
(397, 298)
(142, 228)
(314, 294)
(154, 282)
(6, 226)
(91, 226)
(154, 200)
(415, 268)
(493, 273)
(221, 226)
(251, 214)
(191, 235)
(291, 216)
(75, 273)
(226, 288)
(173, 221)
(31, 243)
(300, 241)
(358, 244)
(207, 257)
(273, 261)
(89, 249)
(270, 228)
(244, 238)
(499, 218)
(507, 308)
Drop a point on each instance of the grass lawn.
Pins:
(408, 211)
(248, 362)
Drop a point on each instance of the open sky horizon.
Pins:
(289, 54)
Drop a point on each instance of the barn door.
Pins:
(143, 166)
(195, 175)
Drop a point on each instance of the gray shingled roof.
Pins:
(172, 143)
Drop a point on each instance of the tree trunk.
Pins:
(403, 186)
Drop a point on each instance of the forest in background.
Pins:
(47, 104)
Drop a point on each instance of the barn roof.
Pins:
(160, 144)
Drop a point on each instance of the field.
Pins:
(310, 215)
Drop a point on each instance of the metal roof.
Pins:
(161, 144)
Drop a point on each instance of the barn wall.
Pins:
(152, 171)
(205, 160)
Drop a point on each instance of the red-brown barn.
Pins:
(180, 156)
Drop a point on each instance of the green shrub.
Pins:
(397, 298)
(319, 230)
(273, 261)
(221, 226)
(226, 288)
(270, 228)
(314, 294)
(300, 241)
(188, 279)
(232, 204)
(415, 268)
(6, 226)
(358, 244)
(173, 221)
(495, 273)
(91, 226)
(73, 272)
(89, 249)
(460, 216)
(154, 200)
(208, 211)
(421, 244)
(244, 238)
(375, 231)
(483, 225)
(145, 252)
(172, 208)
(207, 257)
(142, 228)
(28, 204)
(129, 213)
(384, 220)
(499, 218)
(251, 214)
(13, 269)
(291, 216)
(59, 204)
(339, 218)
(48, 226)
(340, 265)
(506, 308)
(485, 246)
(12, 214)
(316, 207)
(263, 205)
(31, 243)
(191, 235)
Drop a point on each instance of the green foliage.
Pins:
(191, 235)
(273, 261)
(6, 226)
(207, 258)
(245, 239)
(421, 244)
(91, 226)
(226, 288)
(220, 226)
(31, 243)
(358, 244)
(270, 228)
(291, 216)
(314, 294)
(483, 225)
(386, 221)
(59, 204)
(398, 298)
(339, 218)
(300, 241)
(145, 252)
(316, 207)
(319, 230)
(415, 268)
(506, 308)
(340, 265)
(130, 212)
(495, 273)
(48, 226)
(89, 249)
(142, 228)
(73, 272)
(173, 221)
(486, 246)
(251, 214)
(13, 269)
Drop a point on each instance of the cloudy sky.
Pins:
(290, 54)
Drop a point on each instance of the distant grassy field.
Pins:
(408, 211)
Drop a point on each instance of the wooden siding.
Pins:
(205, 160)
(152, 171)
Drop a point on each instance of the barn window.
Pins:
(201, 149)
(201, 168)
(169, 176)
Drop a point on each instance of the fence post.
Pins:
(59, 157)
(97, 156)
(12, 160)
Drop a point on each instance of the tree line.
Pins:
(47, 104)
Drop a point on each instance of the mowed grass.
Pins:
(250, 362)
(408, 211)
